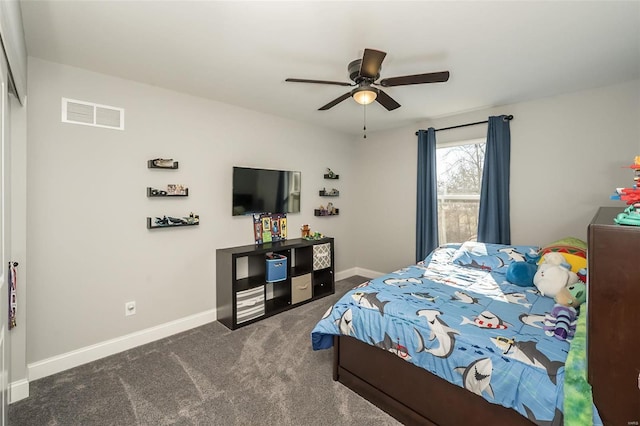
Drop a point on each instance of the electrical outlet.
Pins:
(130, 308)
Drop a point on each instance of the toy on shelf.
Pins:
(330, 174)
(330, 210)
(631, 215)
(162, 163)
(307, 234)
(269, 227)
(332, 193)
(170, 221)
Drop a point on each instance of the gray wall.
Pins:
(89, 248)
(566, 158)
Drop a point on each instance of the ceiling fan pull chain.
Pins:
(364, 129)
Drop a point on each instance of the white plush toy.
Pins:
(552, 276)
(555, 258)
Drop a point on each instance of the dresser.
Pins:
(613, 340)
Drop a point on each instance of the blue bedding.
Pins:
(456, 316)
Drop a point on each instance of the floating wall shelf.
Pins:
(152, 225)
(318, 212)
(151, 165)
(151, 195)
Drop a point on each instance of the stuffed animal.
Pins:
(521, 273)
(561, 322)
(550, 279)
(574, 295)
(555, 258)
(552, 276)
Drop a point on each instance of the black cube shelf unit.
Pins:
(242, 300)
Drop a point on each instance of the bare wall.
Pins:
(566, 158)
(89, 250)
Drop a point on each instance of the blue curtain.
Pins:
(494, 225)
(427, 201)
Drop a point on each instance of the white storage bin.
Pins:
(249, 304)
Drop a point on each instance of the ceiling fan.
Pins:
(365, 72)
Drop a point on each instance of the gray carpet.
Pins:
(262, 374)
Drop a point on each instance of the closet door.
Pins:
(4, 242)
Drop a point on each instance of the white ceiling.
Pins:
(240, 52)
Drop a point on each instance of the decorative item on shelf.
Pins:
(152, 192)
(170, 221)
(307, 234)
(269, 227)
(332, 193)
(631, 215)
(192, 219)
(330, 210)
(162, 163)
(331, 175)
(170, 192)
(315, 236)
(305, 230)
(177, 189)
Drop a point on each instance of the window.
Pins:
(459, 166)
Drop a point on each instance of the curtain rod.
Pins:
(507, 117)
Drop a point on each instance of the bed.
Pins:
(460, 344)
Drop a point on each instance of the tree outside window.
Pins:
(459, 167)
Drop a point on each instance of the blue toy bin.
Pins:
(276, 268)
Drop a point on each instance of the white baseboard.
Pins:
(357, 271)
(100, 350)
(368, 273)
(341, 275)
(18, 390)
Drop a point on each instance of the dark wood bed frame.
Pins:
(411, 394)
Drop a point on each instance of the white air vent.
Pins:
(90, 114)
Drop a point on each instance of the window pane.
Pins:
(459, 181)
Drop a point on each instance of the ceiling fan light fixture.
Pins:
(364, 95)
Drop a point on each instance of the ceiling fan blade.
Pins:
(387, 101)
(371, 63)
(335, 102)
(432, 77)
(302, 80)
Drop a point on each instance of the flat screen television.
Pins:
(265, 191)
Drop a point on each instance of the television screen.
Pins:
(265, 191)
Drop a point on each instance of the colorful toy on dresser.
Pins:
(631, 215)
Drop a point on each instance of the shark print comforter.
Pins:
(455, 315)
